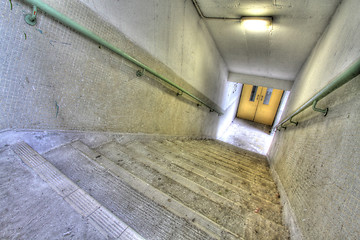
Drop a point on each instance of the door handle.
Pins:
(261, 97)
(257, 98)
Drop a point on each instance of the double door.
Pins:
(259, 104)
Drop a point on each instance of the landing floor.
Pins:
(248, 135)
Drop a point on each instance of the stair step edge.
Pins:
(202, 222)
(225, 173)
(205, 192)
(77, 198)
(207, 176)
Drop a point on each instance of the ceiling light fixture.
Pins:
(257, 23)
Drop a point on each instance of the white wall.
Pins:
(335, 51)
(59, 79)
(172, 32)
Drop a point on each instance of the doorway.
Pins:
(259, 104)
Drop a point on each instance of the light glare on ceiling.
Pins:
(257, 23)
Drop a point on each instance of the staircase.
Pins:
(167, 188)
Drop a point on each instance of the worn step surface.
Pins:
(262, 188)
(210, 186)
(166, 188)
(240, 203)
(99, 216)
(128, 197)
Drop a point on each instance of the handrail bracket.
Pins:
(324, 111)
(140, 73)
(31, 18)
(296, 123)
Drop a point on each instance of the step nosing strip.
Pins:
(77, 198)
(107, 222)
(31, 161)
(193, 186)
(83, 202)
(202, 218)
(104, 226)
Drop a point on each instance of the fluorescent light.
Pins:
(257, 23)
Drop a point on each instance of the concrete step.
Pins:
(251, 169)
(236, 152)
(259, 187)
(96, 214)
(173, 185)
(139, 205)
(230, 194)
(169, 189)
(191, 187)
(251, 162)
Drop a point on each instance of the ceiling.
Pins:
(279, 53)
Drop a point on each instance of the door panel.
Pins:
(249, 102)
(268, 105)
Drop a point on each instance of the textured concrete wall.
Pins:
(55, 78)
(317, 163)
(172, 32)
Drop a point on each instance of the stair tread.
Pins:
(248, 171)
(111, 188)
(159, 177)
(227, 161)
(102, 219)
(237, 153)
(166, 188)
(259, 187)
(226, 194)
(165, 200)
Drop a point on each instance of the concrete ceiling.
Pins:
(279, 53)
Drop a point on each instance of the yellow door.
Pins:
(268, 105)
(259, 104)
(249, 102)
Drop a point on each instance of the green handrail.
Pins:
(77, 27)
(347, 75)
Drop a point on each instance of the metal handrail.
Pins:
(347, 75)
(77, 27)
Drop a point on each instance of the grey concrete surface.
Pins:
(53, 78)
(248, 135)
(30, 209)
(109, 225)
(317, 162)
(163, 188)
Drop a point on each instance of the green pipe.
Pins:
(72, 24)
(347, 75)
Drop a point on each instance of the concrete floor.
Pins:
(248, 135)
